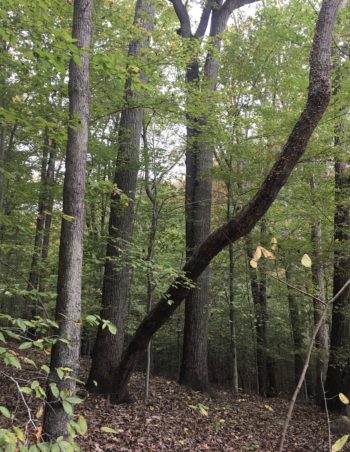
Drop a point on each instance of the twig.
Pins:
(29, 411)
(327, 414)
(306, 365)
(297, 289)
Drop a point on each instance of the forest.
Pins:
(174, 225)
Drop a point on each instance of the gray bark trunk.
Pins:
(108, 347)
(232, 315)
(322, 338)
(338, 375)
(43, 222)
(68, 304)
(199, 159)
(297, 336)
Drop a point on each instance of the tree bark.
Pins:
(319, 94)
(68, 304)
(231, 296)
(338, 375)
(43, 223)
(199, 157)
(293, 306)
(258, 289)
(322, 337)
(108, 347)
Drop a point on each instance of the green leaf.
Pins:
(340, 443)
(73, 400)
(13, 361)
(5, 412)
(203, 409)
(25, 345)
(12, 334)
(20, 434)
(108, 430)
(81, 425)
(112, 328)
(77, 60)
(45, 368)
(54, 390)
(67, 407)
(26, 390)
(35, 384)
(60, 373)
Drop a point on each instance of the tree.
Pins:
(319, 93)
(338, 374)
(108, 347)
(199, 157)
(65, 352)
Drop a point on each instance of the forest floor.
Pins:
(178, 419)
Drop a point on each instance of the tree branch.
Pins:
(184, 18)
(203, 23)
(230, 5)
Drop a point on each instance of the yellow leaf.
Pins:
(306, 261)
(267, 254)
(281, 273)
(343, 399)
(40, 412)
(268, 407)
(340, 443)
(257, 254)
(253, 263)
(274, 243)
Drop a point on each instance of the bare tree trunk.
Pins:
(41, 230)
(258, 289)
(297, 336)
(232, 316)
(68, 304)
(199, 160)
(338, 375)
(322, 337)
(108, 347)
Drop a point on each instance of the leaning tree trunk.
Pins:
(338, 375)
(319, 94)
(68, 304)
(108, 347)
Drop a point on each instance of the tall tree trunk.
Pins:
(41, 230)
(319, 94)
(258, 289)
(231, 295)
(322, 338)
(338, 375)
(199, 160)
(153, 197)
(297, 336)
(68, 304)
(108, 347)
